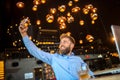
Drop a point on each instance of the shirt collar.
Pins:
(67, 56)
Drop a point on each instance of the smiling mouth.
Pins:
(62, 47)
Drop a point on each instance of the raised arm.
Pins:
(31, 47)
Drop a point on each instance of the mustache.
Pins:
(61, 46)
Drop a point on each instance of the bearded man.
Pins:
(64, 63)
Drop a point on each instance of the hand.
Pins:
(23, 27)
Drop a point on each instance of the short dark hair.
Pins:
(64, 35)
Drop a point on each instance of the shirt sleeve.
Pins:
(36, 52)
(85, 67)
(91, 73)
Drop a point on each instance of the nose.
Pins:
(61, 44)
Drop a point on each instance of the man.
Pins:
(65, 65)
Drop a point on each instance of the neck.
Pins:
(69, 53)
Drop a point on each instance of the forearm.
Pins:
(24, 34)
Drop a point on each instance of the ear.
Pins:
(72, 46)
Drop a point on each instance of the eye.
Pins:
(63, 42)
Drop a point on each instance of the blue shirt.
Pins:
(65, 67)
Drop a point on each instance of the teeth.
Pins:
(62, 47)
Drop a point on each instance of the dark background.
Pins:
(108, 14)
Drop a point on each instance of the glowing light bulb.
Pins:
(61, 19)
(68, 14)
(49, 18)
(62, 26)
(68, 33)
(20, 4)
(43, 1)
(94, 10)
(70, 19)
(38, 22)
(76, 9)
(70, 3)
(90, 6)
(36, 2)
(81, 22)
(53, 10)
(62, 8)
(81, 41)
(90, 38)
(76, 0)
(26, 24)
(34, 8)
(92, 22)
(94, 16)
(85, 11)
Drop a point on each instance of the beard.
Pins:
(64, 51)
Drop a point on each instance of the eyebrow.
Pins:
(65, 40)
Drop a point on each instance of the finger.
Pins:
(25, 29)
(24, 20)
